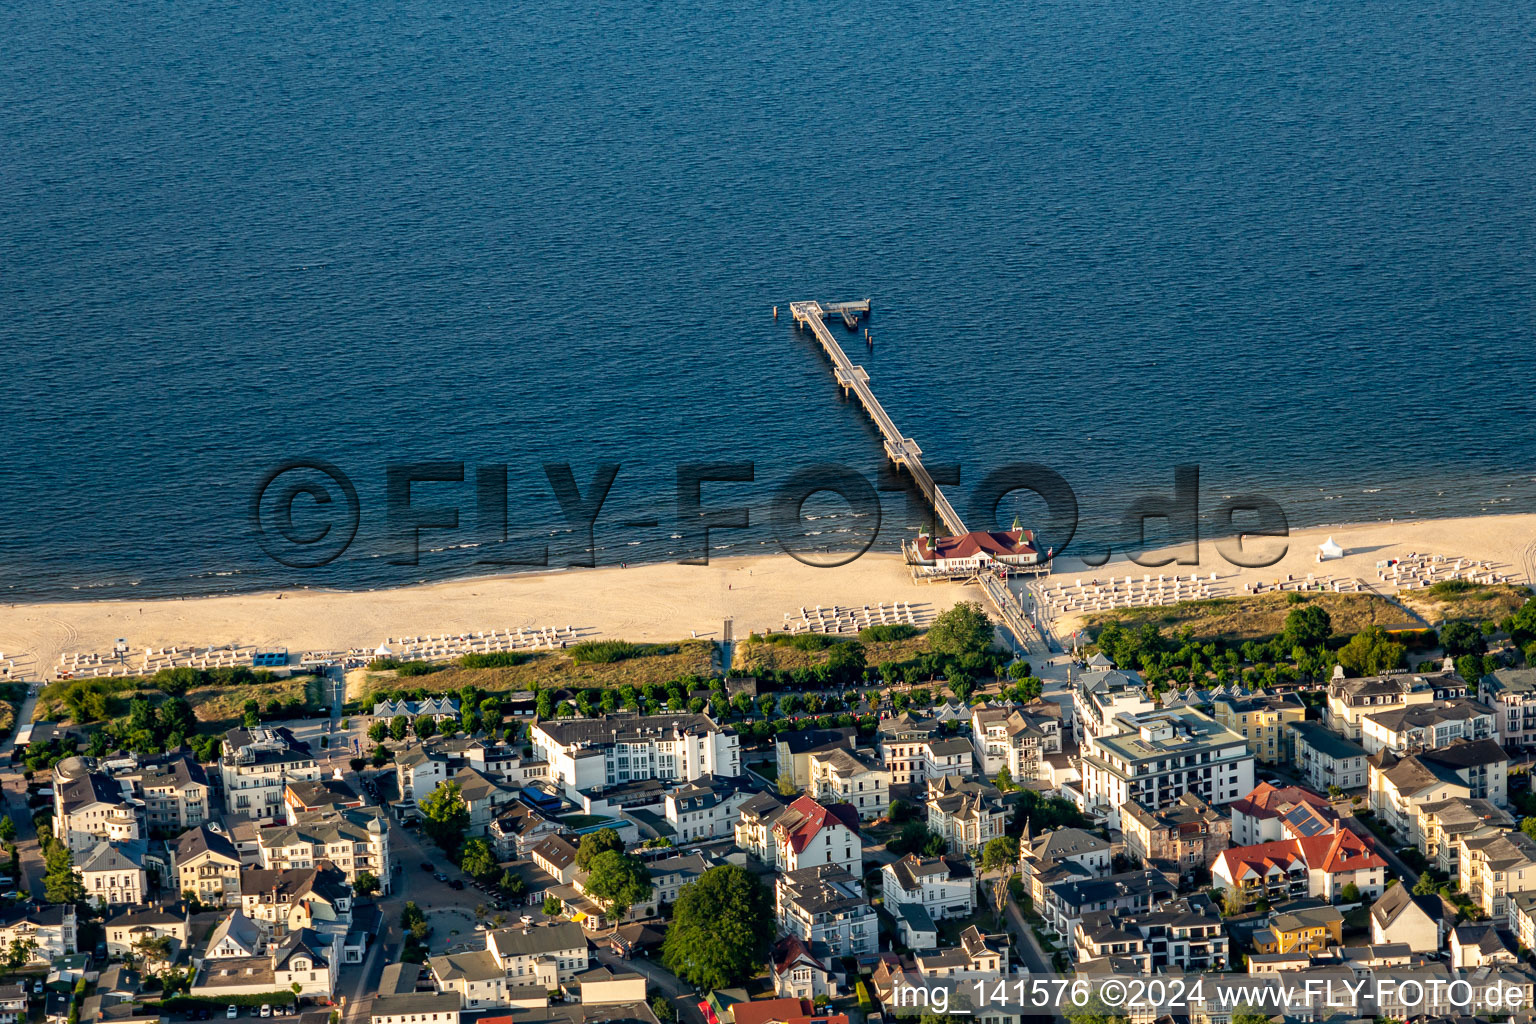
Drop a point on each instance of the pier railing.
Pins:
(904, 451)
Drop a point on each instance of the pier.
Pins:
(904, 452)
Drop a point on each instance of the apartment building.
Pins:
(1325, 759)
(942, 886)
(1015, 737)
(1428, 726)
(587, 755)
(546, 955)
(704, 809)
(1511, 692)
(173, 789)
(968, 813)
(206, 864)
(1159, 756)
(826, 905)
(90, 807)
(1261, 719)
(1186, 934)
(1441, 824)
(353, 841)
(852, 777)
(256, 768)
(913, 748)
(1178, 837)
(1350, 700)
(1101, 696)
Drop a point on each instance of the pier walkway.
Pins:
(904, 452)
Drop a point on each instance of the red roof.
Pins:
(788, 951)
(814, 817)
(764, 1011)
(995, 543)
(1268, 801)
(1342, 851)
(1261, 857)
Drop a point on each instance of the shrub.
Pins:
(495, 659)
(606, 652)
(882, 634)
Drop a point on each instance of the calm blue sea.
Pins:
(1290, 242)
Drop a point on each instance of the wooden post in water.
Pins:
(775, 312)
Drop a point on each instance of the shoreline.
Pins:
(665, 601)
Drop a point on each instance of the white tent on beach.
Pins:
(1328, 549)
(383, 651)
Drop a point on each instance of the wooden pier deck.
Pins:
(904, 451)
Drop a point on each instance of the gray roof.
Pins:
(113, 857)
(608, 729)
(1325, 741)
(547, 938)
(476, 965)
(204, 840)
(238, 927)
(415, 1002)
(1421, 716)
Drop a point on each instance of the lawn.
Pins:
(554, 670)
(1258, 616)
(753, 655)
(1473, 602)
(224, 707)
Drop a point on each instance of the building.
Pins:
(976, 957)
(320, 795)
(1415, 921)
(1185, 933)
(798, 973)
(1511, 692)
(128, 930)
(975, 552)
(1442, 825)
(1265, 814)
(591, 754)
(418, 771)
(1161, 755)
(1261, 719)
(1428, 726)
(942, 886)
(1320, 866)
(49, 930)
(852, 777)
(1400, 786)
(913, 749)
(1178, 837)
(353, 841)
(704, 809)
(206, 864)
(256, 768)
(1102, 696)
(825, 905)
(113, 875)
(173, 789)
(415, 1008)
(1130, 892)
(283, 901)
(1325, 759)
(1496, 867)
(485, 799)
(546, 955)
(602, 986)
(754, 827)
(13, 1004)
(235, 937)
(1313, 930)
(1061, 855)
(1015, 737)
(477, 978)
(810, 834)
(436, 708)
(90, 807)
(793, 750)
(1479, 944)
(518, 829)
(967, 813)
(1350, 700)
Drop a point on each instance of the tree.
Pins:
(1004, 780)
(479, 860)
(445, 816)
(20, 953)
(1462, 638)
(1370, 652)
(1350, 892)
(7, 829)
(60, 883)
(1306, 626)
(999, 853)
(665, 1012)
(366, 884)
(721, 927)
(1234, 901)
(512, 885)
(397, 727)
(378, 730)
(618, 881)
(594, 843)
(1248, 1015)
(1427, 886)
(963, 629)
(786, 785)
(552, 907)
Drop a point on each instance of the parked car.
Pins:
(440, 876)
(455, 884)
(232, 1012)
(266, 1009)
(290, 1010)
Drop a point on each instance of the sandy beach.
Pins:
(669, 601)
(643, 602)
